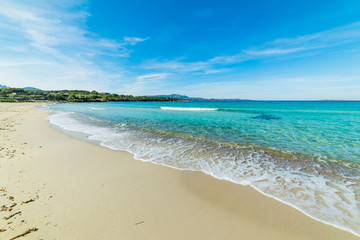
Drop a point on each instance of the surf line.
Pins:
(188, 109)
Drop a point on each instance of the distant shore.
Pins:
(76, 96)
(56, 187)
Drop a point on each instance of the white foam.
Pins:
(188, 109)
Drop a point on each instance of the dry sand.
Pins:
(65, 188)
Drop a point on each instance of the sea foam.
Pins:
(188, 109)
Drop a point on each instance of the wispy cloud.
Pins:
(47, 44)
(153, 76)
(56, 27)
(273, 51)
(134, 40)
(176, 65)
(148, 84)
(326, 39)
(278, 47)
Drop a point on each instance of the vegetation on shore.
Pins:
(23, 95)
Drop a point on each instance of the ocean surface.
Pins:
(306, 154)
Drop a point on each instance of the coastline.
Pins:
(84, 191)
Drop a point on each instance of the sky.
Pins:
(260, 50)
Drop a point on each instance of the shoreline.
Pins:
(83, 188)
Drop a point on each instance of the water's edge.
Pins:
(90, 138)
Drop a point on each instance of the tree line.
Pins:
(22, 95)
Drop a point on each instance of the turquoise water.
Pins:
(306, 154)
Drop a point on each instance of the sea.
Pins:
(303, 153)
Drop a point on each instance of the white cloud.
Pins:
(278, 47)
(325, 39)
(274, 51)
(153, 76)
(148, 84)
(213, 71)
(178, 66)
(134, 40)
(47, 44)
(231, 59)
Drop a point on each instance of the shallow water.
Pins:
(306, 154)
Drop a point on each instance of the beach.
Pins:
(59, 187)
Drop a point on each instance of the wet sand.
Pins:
(56, 187)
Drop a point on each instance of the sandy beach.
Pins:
(57, 187)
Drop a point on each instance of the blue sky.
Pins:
(299, 50)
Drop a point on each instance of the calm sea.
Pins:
(306, 154)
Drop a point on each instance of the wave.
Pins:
(188, 109)
(95, 108)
